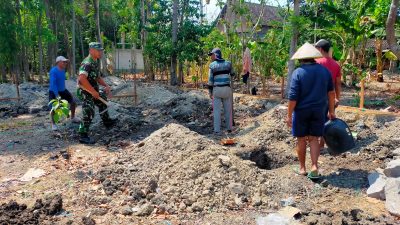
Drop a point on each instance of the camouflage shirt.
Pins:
(91, 68)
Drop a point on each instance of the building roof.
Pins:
(270, 13)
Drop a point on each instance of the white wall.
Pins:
(125, 59)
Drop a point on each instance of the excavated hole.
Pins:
(268, 159)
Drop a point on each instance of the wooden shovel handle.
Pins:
(100, 98)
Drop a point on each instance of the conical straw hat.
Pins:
(307, 51)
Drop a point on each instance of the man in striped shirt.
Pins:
(219, 81)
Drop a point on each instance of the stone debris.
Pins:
(392, 192)
(393, 168)
(377, 183)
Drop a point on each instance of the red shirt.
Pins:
(332, 66)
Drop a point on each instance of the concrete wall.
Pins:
(128, 60)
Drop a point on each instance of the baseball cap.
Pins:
(217, 53)
(323, 44)
(96, 45)
(61, 59)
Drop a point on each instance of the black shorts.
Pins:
(309, 122)
(66, 95)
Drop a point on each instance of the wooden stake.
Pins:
(362, 82)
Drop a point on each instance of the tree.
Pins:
(174, 41)
(293, 44)
(390, 28)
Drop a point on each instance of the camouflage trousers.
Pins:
(88, 109)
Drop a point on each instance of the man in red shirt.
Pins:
(323, 46)
(334, 68)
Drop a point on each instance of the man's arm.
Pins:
(338, 87)
(291, 106)
(293, 97)
(210, 82)
(84, 83)
(104, 84)
(53, 83)
(331, 96)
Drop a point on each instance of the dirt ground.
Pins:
(160, 164)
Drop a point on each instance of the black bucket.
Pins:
(338, 137)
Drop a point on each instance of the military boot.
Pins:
(110, 122)
(85, 139)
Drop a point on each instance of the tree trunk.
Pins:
(98, 35)
(52, 46)
(379, 64)
(293, 46)
(173, 80)
(390, 28)
(67, 47)
(72, 60)
(81, 40)
(3, 73)
(40, 45)
(180, 73)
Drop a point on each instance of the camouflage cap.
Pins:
(96, 45)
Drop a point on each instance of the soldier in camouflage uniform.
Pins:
(88, 91)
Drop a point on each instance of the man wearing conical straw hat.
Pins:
(311, 92)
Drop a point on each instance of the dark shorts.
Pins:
(66, 95)
(309, 122)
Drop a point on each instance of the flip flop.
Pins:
(296, 170)
(313, 175)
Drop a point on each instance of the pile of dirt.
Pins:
(40, 213)
(354, 216)
(178, 170)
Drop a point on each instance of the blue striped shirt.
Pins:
(220, 73)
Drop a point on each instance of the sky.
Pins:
(212, 10)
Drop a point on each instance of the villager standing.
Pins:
(334, 68)
(310, 91)
(57, 89)
(220, 91)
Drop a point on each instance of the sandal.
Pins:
(296, 170)
(313, 175)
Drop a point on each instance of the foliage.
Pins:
(270, 55)
(60, 107)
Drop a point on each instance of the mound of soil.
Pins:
(40, 213)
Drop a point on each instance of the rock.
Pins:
(273, 219)
(34, 109)
(225, 160)
(88, 221)
(396, 152)
(182, 206)
(256, 200)
(238, 201)
(393, 168)
(99, 211)
(197, 207)
(287, 202)
(237, 188)
(392, 192)
(32, 173)
(377, 183)
(289, 211)
(145, 210)
(126, 211)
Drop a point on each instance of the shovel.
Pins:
(100, 99)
